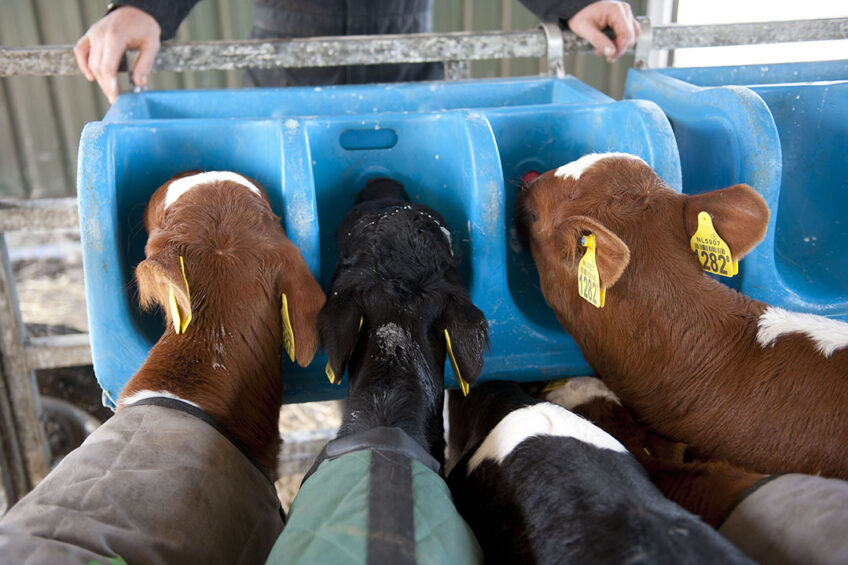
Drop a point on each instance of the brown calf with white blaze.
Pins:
(216, 246)
(733, 378)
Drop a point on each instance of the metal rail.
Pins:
(416, 48)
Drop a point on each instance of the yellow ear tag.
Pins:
(175, 311)
(463, 386)
(187, 319)
(328, 370)
(588, 279)
(330, 373)
(288, 332)
(712, 252)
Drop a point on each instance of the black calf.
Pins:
(393, 294)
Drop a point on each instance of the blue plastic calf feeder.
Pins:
(783, 129)
(461, 148)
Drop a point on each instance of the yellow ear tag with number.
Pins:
(180, 325)
(463, 386)
(328, 370)
(588, 279)
(712, 252)
(288, 332)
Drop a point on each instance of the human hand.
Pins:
(589, 23)
(99, 51)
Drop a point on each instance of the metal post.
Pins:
(556, 59)
(23, 439)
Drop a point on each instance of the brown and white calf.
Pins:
(215, 245)
(733, 378)
(181, 474)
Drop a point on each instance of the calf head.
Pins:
(397, 273)
(216, 253)
(641, 226)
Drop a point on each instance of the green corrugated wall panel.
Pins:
(41, 118)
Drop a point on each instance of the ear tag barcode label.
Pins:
(712, 252)
(288, 332)
(588, 279)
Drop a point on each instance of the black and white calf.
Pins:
(539, 484)
(394, 295)
(396, 308)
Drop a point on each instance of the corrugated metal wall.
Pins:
(41, 117)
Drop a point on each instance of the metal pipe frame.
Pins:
(415, 48)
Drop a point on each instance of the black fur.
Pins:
(396, 273)
(559, 500)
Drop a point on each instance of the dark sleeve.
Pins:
(556, 10)
(168, 13)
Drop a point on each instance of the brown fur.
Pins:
(238, 261)
(676, 346)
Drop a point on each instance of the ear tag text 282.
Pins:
(463, 385)
(180, 324)
(588, 279)
(712, 252)
(288, 332)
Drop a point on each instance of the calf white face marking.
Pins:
(580, 390)
(543, 419)
(576, 168)
(827, 335)
(183, 185)
(144, 394)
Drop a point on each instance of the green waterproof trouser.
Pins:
(375, 507)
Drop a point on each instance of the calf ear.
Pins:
(739, 214)
(303, 299)
(611, 254)
(466, 333)
(339, 324)
(161, 277)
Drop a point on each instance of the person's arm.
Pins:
(129, 24)
(588, 19)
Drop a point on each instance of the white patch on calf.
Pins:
(576, 168)
(580, 390)
(183, 185)
(827, 335)
(543, 419)
(393, 340)
(145, 394)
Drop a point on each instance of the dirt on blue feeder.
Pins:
(460, 148)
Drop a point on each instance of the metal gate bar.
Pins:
(416, 48)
